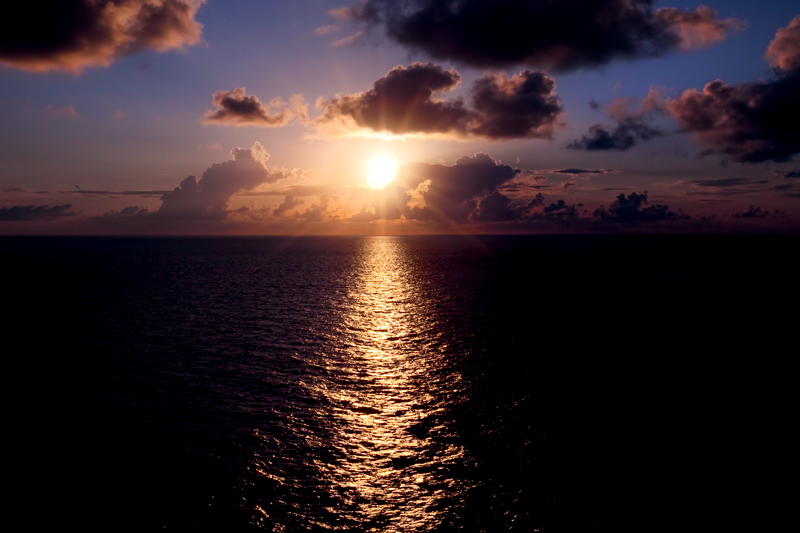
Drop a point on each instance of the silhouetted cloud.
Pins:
(235, 108)
(453, 191)
(22, 190)
(450, 193)
(624, 136)
(555, 35)
(751, 122)
(76, 34)
(568, 184)
(629, 210)
(31, 212)
(290, 202)
(631, 127)
(784, 50)
(90, 192)
(578, 171)
(401, 102)
(406, 101)
(757, 212)
(726, 182)
(524, 106)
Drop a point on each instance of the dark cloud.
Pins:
(790, 174)
(757, 212)
(568, 184)
(624, 136)
(22, 190)
(561, 209)
(578, 171)
(631, 126)
(235, 108)
(629, 210)
(453, 191)
(401, 102)
(89, 192)
(406, 101)
(726, 182)
(524, 106)
(537, 201)
(76, 34)
(290, 202)
(555, 35)
(450, 193)
(751, 122)
(31, 212)
(784, 50)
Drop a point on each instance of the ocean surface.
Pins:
(400, 384)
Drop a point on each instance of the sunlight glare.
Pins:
(382, 172)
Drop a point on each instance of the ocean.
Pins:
(408, 384)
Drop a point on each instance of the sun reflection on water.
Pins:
(378, 386)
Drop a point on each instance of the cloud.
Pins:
(401, 102)
(560, 210)
(757, 212)
(450, 193)
(207, 199)
(347, 41)
(624, 136)
(324, 30)
(405, 101)
(73, 35)
(751, 122)
(22, 190)
(304, 190)
(629, 210)
(19, 213)
(631, 127)
(89, 192)
(317, 211)
(578, 171)
(290, 202)
(726, 182)
(235, 108)
(65, 111)
(453, 191)
(784, 50)
(560, 36)
(568, 184)
(524, 106)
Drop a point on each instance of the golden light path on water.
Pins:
(380, 385)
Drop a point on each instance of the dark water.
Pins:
(400, 384)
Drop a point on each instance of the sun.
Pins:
(381, 172)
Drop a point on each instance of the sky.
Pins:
(150, 117)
